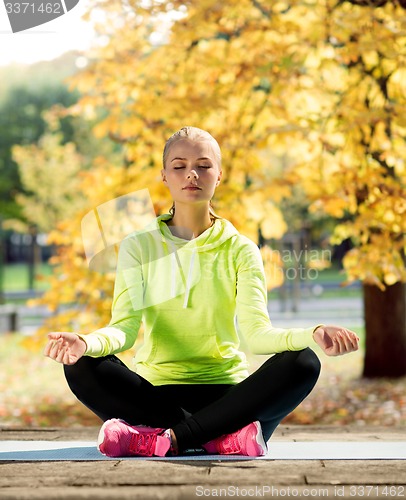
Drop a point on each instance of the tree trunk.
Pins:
(385, 326)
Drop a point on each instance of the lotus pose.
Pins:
(198, 286)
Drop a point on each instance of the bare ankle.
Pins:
(174, 441)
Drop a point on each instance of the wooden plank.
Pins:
(358, 472)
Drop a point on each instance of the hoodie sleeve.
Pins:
(252, 311)
(126, 313)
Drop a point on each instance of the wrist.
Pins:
(83, 340)
(318, 328)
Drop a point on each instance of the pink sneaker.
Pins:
(119, 439)
(247, 441)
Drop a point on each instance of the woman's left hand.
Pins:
(336, 340)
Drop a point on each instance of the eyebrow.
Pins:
(185, 159)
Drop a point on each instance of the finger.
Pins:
(54, 335)
(61, 354)
(338, 347)
(355, 341)
(351, 340)
(47, 348)
(345, 341)
(52, 339)
(68, 359)
(66, 356)
(55, 348)
(352, 335)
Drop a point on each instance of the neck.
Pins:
(188, 222)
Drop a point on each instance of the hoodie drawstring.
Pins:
(187, 282)
(189, 279)
(173, 274)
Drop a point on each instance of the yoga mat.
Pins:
(325, 450)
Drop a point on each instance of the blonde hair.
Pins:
(197, 135)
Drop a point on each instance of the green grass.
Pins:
(16, 277)
(331, 274)
(334, 293)
(315, 281)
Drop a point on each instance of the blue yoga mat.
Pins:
(324, 450)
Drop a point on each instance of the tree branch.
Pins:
(376, 3)
(265, 12)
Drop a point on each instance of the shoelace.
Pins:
(231, 444)
(141, 444)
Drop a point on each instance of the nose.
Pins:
(192, 173)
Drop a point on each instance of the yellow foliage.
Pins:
(273, 225)
(273, 266)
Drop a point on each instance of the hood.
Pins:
(183, 255)
(214, 236)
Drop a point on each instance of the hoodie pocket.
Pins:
(173, 341)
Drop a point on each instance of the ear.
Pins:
(163, 175)
(219, 177)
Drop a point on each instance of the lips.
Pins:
(192, 188)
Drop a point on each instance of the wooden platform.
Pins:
(188, 479)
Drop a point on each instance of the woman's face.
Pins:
(191, 171)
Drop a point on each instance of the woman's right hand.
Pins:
(65, 347)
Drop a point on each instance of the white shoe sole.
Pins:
(100, 437)
(260, 439)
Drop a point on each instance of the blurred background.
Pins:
(308, 102)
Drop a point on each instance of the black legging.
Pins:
(196, 413)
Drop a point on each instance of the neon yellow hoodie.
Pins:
(195, 298)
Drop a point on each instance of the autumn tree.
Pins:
(360, 64)
(317, 84)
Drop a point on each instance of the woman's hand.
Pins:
(335, 340)
(64, 347)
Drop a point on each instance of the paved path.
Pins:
(343, 311)
(188, 479)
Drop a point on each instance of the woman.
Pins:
(197, 284)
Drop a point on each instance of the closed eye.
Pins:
(199, 166)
